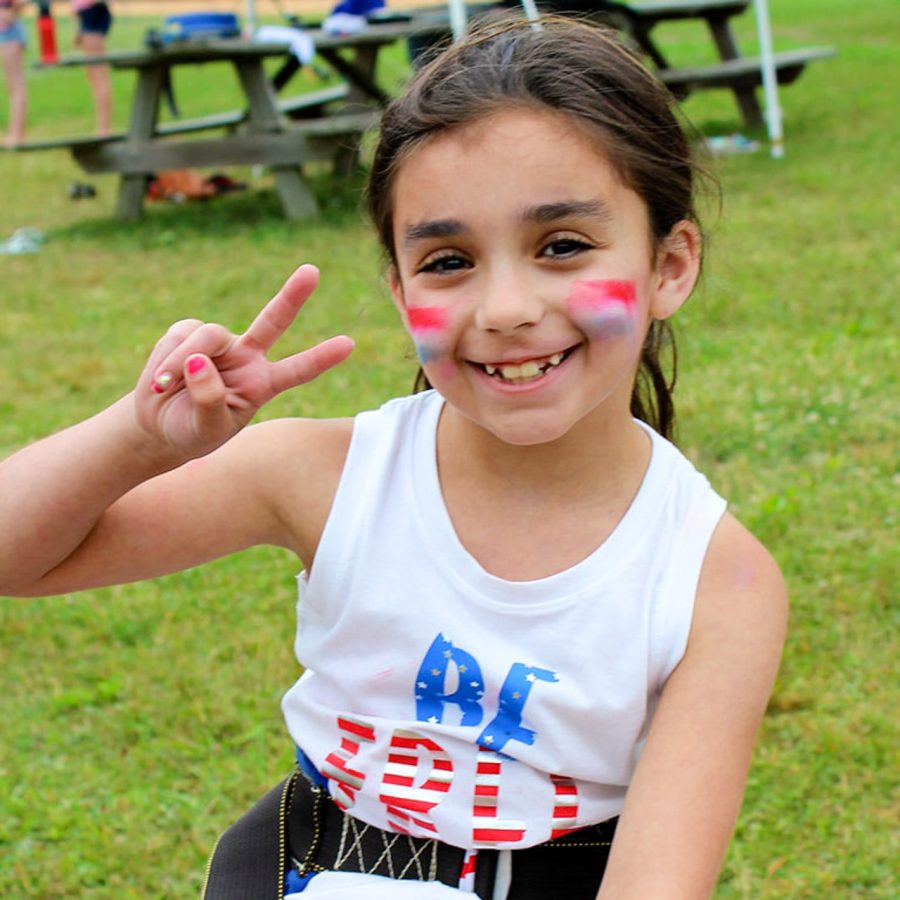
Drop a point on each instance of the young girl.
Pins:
(533, 636)
(94, 22)
(12, 52)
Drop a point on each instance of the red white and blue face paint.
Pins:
(429, 326)
(604, 309)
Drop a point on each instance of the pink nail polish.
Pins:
(195, 364)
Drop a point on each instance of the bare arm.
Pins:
(91, 505)
(687, 790)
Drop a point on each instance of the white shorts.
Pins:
(353, 886)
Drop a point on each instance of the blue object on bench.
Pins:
(197, 26)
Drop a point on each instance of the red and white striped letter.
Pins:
(487, 827)
(565, 806)
(336, 767)
(407, 799)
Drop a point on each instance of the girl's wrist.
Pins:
(141, 452)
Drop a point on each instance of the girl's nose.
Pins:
(507, 303)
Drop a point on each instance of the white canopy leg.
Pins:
(769, 78)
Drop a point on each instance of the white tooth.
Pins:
(529, 369)
(510, 371)
(556, 359)
(490, 369)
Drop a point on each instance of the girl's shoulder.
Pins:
(297, 464)
(742, 600)
(737, 559)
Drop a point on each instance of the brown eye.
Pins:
(450, 263)
(564, 248)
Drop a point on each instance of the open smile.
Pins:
(526, 371)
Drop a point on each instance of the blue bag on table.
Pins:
(200, 26)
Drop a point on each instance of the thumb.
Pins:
(207, 392)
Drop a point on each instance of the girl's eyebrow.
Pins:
(421, 231)
(550, 212)
(542, 212)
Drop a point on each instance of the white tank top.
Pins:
(442, 701)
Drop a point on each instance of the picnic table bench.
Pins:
(308, 105)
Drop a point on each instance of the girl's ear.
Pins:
(393, 277)
(677, 269)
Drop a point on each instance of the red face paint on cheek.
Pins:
(428, 325)
(606, 308)
(424, 319)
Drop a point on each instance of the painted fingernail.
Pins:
(162, 381)
(195, 364)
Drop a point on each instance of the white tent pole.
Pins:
(769, 78)
(251, 18)
(532, 13)
(457, 18)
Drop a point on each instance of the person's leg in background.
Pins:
(94, 24)
(12, 52)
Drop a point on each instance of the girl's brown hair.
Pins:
(572, 67)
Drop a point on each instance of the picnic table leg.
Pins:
(641, 34)
(359, 74)
(144, 116)
(728, 49)
(297, 200)
(362, 94)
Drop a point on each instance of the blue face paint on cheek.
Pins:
(605, 308)
(427, 353)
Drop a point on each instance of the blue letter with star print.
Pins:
(507, 724)
(431, 684)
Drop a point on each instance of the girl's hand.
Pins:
(202, 383)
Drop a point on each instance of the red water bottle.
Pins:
(46, 34)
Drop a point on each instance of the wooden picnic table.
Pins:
(266, 137)
(739, 73)
(640, 21)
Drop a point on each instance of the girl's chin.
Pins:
(520, 429)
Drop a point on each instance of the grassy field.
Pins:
(137, 722)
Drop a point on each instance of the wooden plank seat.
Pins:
(745, 72)
(653, 11)
(67, 143)
(320, 139)
(302, 107)
(352, 123)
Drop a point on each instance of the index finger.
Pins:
(278, 314)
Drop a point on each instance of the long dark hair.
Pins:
(587, 72)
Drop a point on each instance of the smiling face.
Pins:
(525, 274)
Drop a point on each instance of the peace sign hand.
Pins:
(203, 384)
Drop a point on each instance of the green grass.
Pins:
(139, 721)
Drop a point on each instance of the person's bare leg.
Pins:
(98, 78)
(14, 73)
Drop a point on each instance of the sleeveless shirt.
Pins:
(442, 701)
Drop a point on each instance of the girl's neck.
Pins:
(602, 449)
(526, 512)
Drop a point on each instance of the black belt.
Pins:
(322, 838)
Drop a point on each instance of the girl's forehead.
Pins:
(516, 158)
(518, 128)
